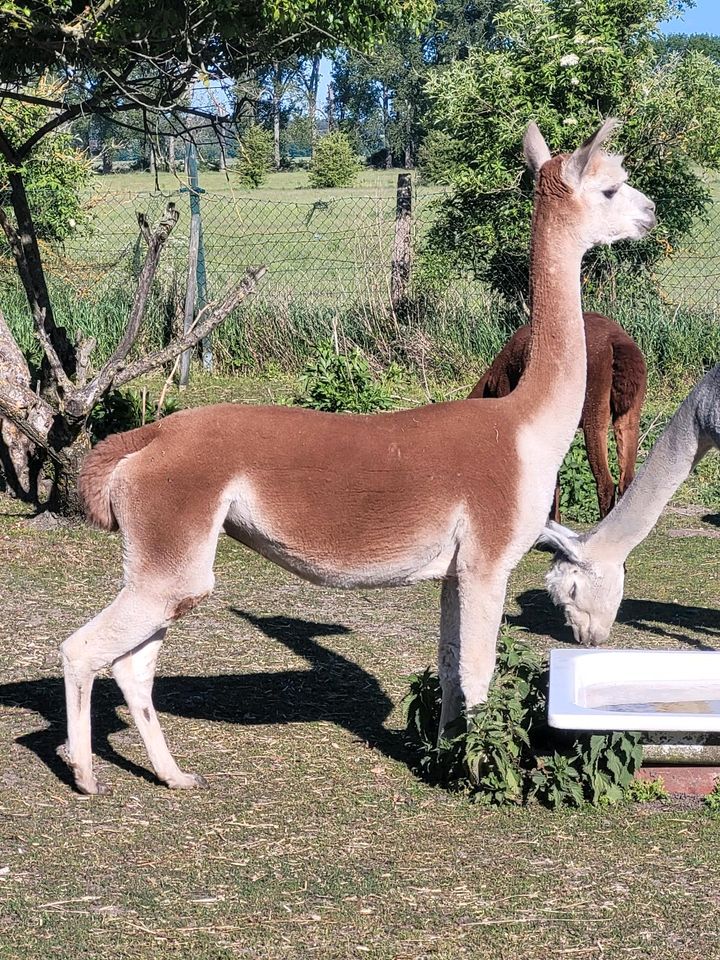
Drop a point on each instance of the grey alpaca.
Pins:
(587, 576)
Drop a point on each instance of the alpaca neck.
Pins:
(682, 444)
(556, 371)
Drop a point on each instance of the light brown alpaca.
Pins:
(616, 385)
(453, 491)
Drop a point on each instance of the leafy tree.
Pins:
(682, 43)
(334, 163)
(122, 59)
(55, 173)
(255, 156)
(381, 97)
(567, 64)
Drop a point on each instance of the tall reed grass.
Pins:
(452, 336)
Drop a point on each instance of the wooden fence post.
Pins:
(196, 292)
(400, 273)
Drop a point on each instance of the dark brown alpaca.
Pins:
(616, 383)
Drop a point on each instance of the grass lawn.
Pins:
(315, 839)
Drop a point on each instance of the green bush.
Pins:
(55, 174)
(500, 754)
(126, 409)
(334, 163)
(566, 64)
(254, 156)
(338, 382)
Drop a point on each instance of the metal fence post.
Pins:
(196, 292)
(400, 273)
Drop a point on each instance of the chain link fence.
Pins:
(328, 256)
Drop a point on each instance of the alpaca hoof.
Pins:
(86, 784)
(94, 788)
(188, 781)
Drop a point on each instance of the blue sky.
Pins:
(704, 17)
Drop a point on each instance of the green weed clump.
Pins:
(343, 382)
(502, 753)
(712, 800)
(645, 791)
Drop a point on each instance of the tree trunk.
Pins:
(16, 450)
(25, 249)
(312, 89)
(331, 122)
(276, 99)
(65, 499)
(107, 162)
(171, 154)
(386, 122)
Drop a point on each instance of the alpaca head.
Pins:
(599, 206)
(585, 580)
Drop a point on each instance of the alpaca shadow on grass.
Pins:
(332, 689)
(675, 621)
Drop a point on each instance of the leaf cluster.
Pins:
(500, 753)
(54, 174)
(344, 382)
(126, 409)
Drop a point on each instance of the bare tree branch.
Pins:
(209, 317)
(25, 97)
(61, 378)
(85, 349)
(82, 401)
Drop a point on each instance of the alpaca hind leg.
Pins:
(627, 438)
(135, 673)
(126, 623)
(596, 444)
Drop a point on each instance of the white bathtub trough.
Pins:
(634, 690)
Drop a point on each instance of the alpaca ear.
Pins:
(562, 541)
(534, 147)
(576, 164)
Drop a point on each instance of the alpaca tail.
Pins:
(629, 379)
(95, 480)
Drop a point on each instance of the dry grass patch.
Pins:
(315, 839)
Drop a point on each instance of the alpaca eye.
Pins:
(573, 591)
(610, 193)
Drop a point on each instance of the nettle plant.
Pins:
(578, 490)
(344, 382)
(503, 753)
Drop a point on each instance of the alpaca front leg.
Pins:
(481, 604)
(470, 614)
(449, 655)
